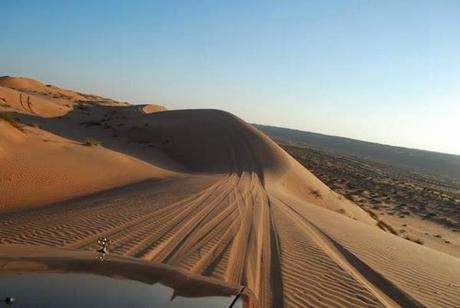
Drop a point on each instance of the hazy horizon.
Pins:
(379, 72)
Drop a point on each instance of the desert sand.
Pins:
(203, 191)
(421, 208)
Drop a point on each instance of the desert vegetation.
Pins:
(91, 142)
(415, 240)
(383, 190)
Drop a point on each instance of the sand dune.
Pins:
(238, 208)
(34, 87)
(18, 101)
(25, 84)
(38, 168)
(153, 108)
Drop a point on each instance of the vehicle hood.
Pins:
(45, 277)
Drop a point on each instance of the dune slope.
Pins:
(38, 168)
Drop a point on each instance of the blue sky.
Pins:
(382, 71)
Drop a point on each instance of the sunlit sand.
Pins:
(203, 191)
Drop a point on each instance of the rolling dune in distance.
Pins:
(201, 190)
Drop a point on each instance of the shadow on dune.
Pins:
(195, 141)
(379, 281)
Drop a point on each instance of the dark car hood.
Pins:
(45, 277)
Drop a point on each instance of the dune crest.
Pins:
(18, 101)
(21, 83)
(225, 201)
(151, 108)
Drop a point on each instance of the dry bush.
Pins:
(90, 123)
(372, 214)
(415, 240)
(386, 227)
(90, 142)
(315, 193)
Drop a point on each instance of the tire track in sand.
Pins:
(384, 290)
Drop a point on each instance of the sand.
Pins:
(18, 101)
(217, 198)
(152, 108)
(420, 208)
(38, 168)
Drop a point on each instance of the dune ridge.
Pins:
(221, 199)
(38, 168)
(152, 108)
